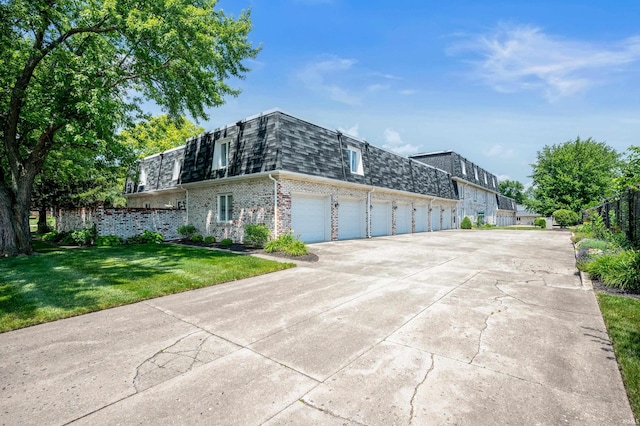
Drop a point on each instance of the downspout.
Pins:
(369, 212)
(344, 173)
(275, 206)
(159, 171)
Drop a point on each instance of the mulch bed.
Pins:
(602, 288)
(242, 248)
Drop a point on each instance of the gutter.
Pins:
(369, 211)
(275, 206)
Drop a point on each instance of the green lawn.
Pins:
(59, 283)
(622, 317)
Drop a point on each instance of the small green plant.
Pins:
(81, 237)
(209, 239)
(51, 237)
(227, 242)
(147, 237)
(540, 222)
(619, 269)
(108, 240)
(256, 235)
(287, 243)
(565, 217)
(591, 243)
(197, 238)
(466, 223)
(187, 231)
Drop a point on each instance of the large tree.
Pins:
(73, 71)
(158, 134)
(512, 189)
(630, 176)
(572, 175)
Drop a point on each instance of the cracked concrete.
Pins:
(489, 327)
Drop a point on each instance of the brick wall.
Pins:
(125, 222)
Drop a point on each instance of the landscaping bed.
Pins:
(245, 249)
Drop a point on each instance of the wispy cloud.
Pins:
(500, 151)
(518, 58)
(317, 76)
(394, 143)
(353, 130)
(408, 92)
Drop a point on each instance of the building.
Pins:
(293, 175)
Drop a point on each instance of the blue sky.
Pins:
(492, 80)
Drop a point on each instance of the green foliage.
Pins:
(108, 241)
(565, 217)
(60, 283)
(572, 176)
(197, 238)
(591, 243)
(630, 176)
(512, 189)
(158, 134)
(540, 222)
(256, 235)
(466, 223)
(287, 243)
(72, 73)
(85, 236)
(619, 269)
(187, 230)
(51, 237)
(147, 237)
(209, 239)
(226, 242)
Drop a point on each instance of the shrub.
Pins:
(227, 242)
(197, 238)
(565, 217)
(540, 222)
(466, 223)
(81, 237)
(591, 243)
(287, 243)
(256, 235)
(108, 240)
(51, 237)
(147, 237)
(619, 269)
(187, 231)
(209, 239)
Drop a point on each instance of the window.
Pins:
(475, 195)
(461, 191)
(355, 161)
(475, 171)
(485, 178)
(176, 170)
(464, 167)
(221, 154)
(225, 204)
(143, 177)
(494, 181)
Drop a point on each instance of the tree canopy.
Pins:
(572, 175)
(630, 174)
(158, 134)
(75, 71)
(512, 189)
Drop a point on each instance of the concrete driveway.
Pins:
(456, 327)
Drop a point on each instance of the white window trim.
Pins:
(228, 213)
(176, 170)
(475, 172)
(485, 178)
(461, 191)
(359, 169)
(464, 167)
(217, 158)
(143, 177)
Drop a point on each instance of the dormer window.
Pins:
(221, 154)
(485, 178)
(464, 167)
(143, 177)
(475, 171)
(176, 170)
(355, 160)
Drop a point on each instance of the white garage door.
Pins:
(351, 219)
(446, 218)
(380, 218)
(422, 216)
(403, 219)
(310, 218)
(435, 219)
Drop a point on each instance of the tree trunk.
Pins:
(15, 234)
(8, 240)
(43, 228)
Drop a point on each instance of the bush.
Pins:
(288, 244)
(187, 231)
(147, 237)
(256, 235)
(197, 238)
(209, 239)
(619, 269)
(540, 222)
(84, 236)
(52, 237)
(466, 223)
(227, 242)
(565, 217)
(108, 240)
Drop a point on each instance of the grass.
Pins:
(59, 283)
(33, 223)
(622, 317)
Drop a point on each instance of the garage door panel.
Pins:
(403, 219)
(422, 216)
(380, 219)
(309, 218)
(446, 218)
(351, 219)
(435, 219)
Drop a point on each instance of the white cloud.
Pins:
(500, 151)
(353, 130)
(395, 143)
(316, 76)
(502, 178)
(518, 58)
(408, 92)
